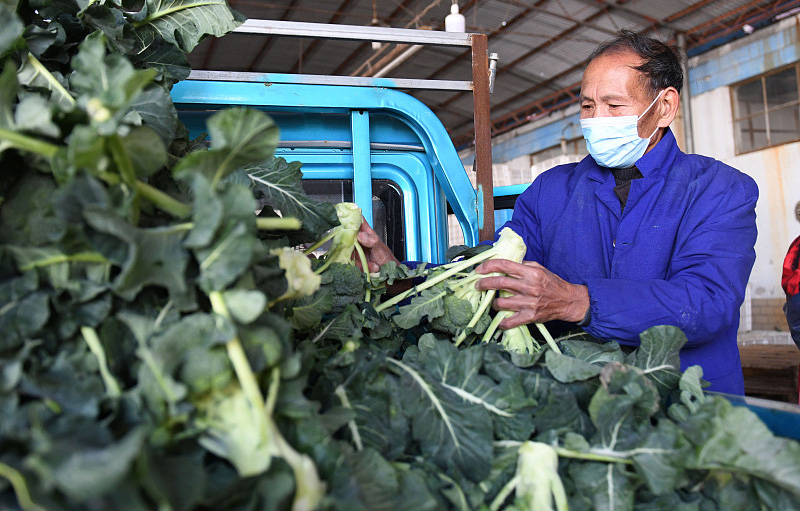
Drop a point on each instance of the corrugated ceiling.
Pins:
(542, 44)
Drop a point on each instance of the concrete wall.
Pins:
(776, 170)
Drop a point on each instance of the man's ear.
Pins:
(668, 108)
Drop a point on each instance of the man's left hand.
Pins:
(537, 294)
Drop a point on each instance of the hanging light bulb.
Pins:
(455, 21)
(375, 22)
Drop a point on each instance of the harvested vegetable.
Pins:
(159, 350)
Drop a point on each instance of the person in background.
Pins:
(638, 233)
(790, 281)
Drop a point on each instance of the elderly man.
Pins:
(638, 233)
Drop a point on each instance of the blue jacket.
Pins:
(681, 254)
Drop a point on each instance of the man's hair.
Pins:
(661, 67)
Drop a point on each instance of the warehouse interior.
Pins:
(734, 52)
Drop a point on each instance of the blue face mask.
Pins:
(614, 141)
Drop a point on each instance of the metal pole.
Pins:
(483, 136)
(686, 96)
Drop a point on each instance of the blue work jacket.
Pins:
(680, 254)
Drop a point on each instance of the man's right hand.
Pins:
(377, 252)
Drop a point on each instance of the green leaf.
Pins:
(154, 108)
(207, 211)
(367, 482)
(279, 183)
(232, 250)
(181, 479)
(167, 59)
(377, 400)
(10, 29)
(661, 458)
(92, 472)
(245, 306)
(238, 137)
(33, 115)
(146, 150)
(658, 355)
(724, 435)
(568, 369)
(307, 312)
(625, 400)
(186, 22)
(67, 383)
(107, 83)
(39, 78)
(24, 312)
(453, 432)
(605, 486)
(592, 351)
(427, 304)
(154, 256)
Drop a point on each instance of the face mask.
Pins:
(614, 141)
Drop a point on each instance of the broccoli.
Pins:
(459, 286)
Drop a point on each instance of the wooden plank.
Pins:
(771, 371)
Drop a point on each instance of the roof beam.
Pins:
(271, 40)
(312, 48)
(363, 46)
(527, 55)
(752, 12)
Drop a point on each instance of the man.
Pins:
(638, 233)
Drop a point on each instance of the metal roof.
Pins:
(542, 44)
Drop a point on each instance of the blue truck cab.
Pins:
(375, 146)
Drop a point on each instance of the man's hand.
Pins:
(375, 249)
(537, 295)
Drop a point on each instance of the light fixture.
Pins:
(375, 22)
(455, 21)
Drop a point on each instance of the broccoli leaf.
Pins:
(238, 137)
(279, 183)
(452, 425)
(185, 23)
(427, 304)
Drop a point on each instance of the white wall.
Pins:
(775, 170)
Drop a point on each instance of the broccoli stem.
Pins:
(438, 278)
(503, 494)
(17, 481)
(342, 395)
(310, 489)
(81, 257)
(488, 336)
(488, 296)
(363, 258)
(321, 241)
(28, 144)
(288, 223)
(47, 75)
(96, 347)
(549, 338)
(163, 201)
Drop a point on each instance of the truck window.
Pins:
(387, 206)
